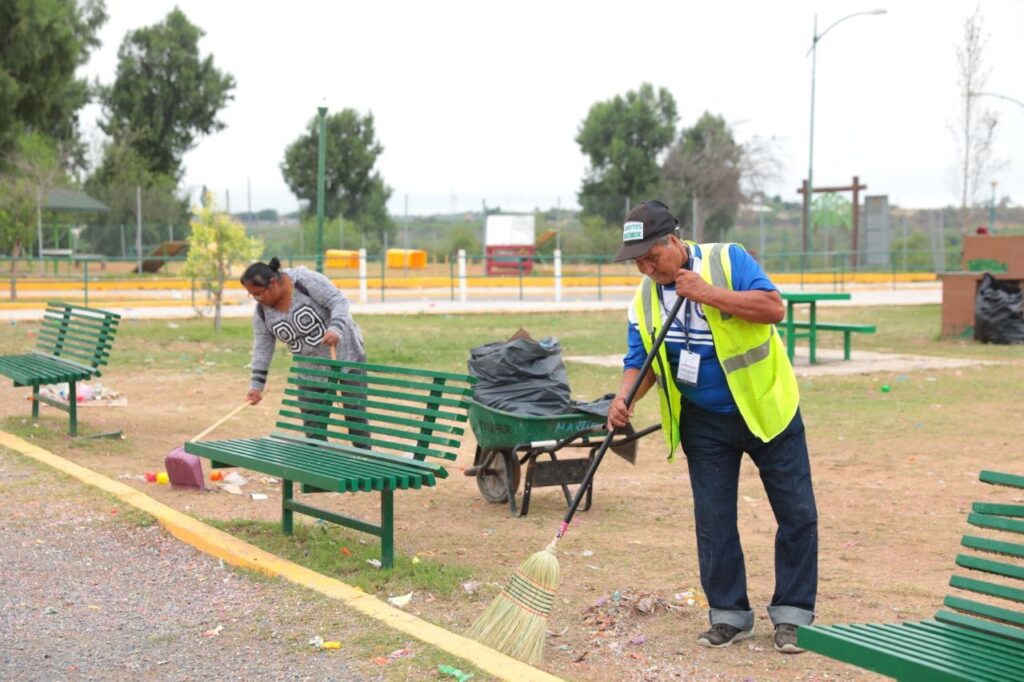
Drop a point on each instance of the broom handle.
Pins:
(223, 419)
(599, 455)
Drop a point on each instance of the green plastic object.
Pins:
(454, 672)
(497, 429)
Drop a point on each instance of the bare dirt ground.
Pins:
(630, 605)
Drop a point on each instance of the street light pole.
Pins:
(320, 182)
(813, 51)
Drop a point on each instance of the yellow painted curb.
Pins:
(238, 553)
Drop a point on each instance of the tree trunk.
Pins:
(218, 296)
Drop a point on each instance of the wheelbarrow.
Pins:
(506, 441)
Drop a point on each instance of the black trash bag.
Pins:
(998, 312)
(521, 376)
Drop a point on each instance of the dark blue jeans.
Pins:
(714, 445)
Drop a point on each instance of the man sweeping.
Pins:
(725, 387)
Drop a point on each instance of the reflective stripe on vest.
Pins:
(670, 400)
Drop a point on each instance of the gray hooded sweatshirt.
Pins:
(311, 313)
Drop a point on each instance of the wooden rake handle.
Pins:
(223, 419)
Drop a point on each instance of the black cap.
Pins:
(645, 224)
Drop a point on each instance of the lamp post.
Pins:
(321, 153)
(809, 190)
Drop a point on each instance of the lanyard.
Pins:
(686, 306)
(685, 326)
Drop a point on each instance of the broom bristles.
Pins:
(516, 620)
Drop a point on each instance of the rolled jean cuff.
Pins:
(744, 620)
(790, 614)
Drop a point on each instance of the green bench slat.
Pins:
(433, 401)
(389, 369)
(986, 610)
(998, 523)
(985, 587)
(938, 641)
(902, 652)
(989, 566)
(308, 464)
(996, 509)
(373, 380)
(1010, 549)
(392, 407)
(312, 431)
(373, 426)
(85, 309)
(987, 626)
(35, 370)
(405, 462)
(999, 478)
(347, 412)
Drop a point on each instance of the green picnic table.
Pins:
(809, 330)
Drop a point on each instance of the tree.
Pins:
(217, 243)
(622, 139)
(352, 188)
(831, 212)
(116, 183)
(33, 168)
(42, 43)
(165, 95)
(974, 129)
(704, 166)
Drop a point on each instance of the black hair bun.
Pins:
(274, 264)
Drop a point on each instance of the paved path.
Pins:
(87, 591)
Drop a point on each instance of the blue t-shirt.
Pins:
(690, 327)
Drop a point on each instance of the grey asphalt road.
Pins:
(89, 591)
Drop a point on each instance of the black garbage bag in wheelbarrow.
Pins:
(998, 312)
(521, 375)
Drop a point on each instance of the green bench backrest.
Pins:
(408, 411)
(995, 557)
(77, 334)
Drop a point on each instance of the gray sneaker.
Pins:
(722, 635)
(785, 639)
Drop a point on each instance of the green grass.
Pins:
(339, 553)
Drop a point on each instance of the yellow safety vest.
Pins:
(752, 355)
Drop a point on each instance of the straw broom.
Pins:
(516, 620)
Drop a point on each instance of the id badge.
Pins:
(689, 367)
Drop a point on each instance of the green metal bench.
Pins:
(847, 330)
(975, 640)
(410, 415)
(74, 342)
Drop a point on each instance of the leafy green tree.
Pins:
(352, 188)
(165, 94)
(217, 243)
(832, 216)
(117, 182)
(622, 139)
(42, 44)
(31, 170)
(705, 164)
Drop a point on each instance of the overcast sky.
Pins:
(482, 100)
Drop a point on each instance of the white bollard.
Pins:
(462, 275)
(558, 275)
(362, 276)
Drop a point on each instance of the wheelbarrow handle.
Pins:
(588, 479)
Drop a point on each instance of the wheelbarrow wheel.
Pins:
(492, 486)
